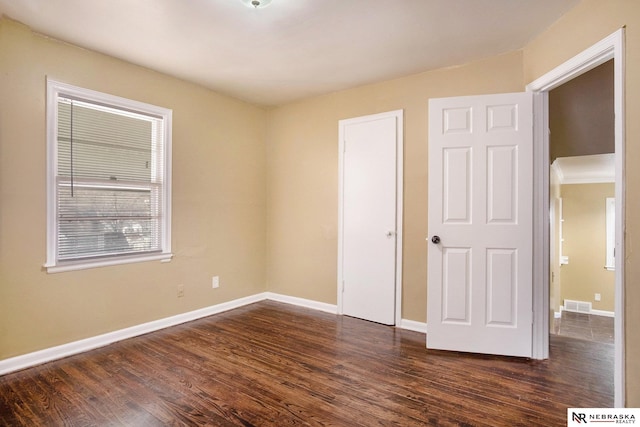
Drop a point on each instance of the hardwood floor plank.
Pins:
(270, 364)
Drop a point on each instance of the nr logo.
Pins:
(579, 417)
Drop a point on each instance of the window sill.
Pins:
(62, 267)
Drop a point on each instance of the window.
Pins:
(108, 179)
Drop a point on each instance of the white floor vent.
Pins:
(577, 306)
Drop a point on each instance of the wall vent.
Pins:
(577, 306)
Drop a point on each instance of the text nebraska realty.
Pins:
(605, 418)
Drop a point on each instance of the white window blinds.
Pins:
(110, 181)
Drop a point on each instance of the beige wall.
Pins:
(583, 26)
(218, 201)
(584, 242)
(219, 193)
(302, 176)
(581, 115)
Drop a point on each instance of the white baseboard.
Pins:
(58, 352)
(412, 325)
(603, 313)
(315, 305)
(592, 311)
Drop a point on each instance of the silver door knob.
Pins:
(435, 239)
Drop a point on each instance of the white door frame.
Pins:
(612, 47)
(399, 116)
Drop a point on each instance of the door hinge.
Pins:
(343, 286)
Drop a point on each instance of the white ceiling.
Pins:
(291, 49)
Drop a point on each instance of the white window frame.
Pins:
(56, 89)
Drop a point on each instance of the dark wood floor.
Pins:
(585, 326)
(270, 364)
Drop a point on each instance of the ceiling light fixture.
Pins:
(256, 4)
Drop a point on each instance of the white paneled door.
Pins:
(480, 240)
(368, 245)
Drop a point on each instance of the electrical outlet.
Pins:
(597, 297)
(215, 282)
(180, 291)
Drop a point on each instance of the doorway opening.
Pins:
(610, 48)
(582, 201)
